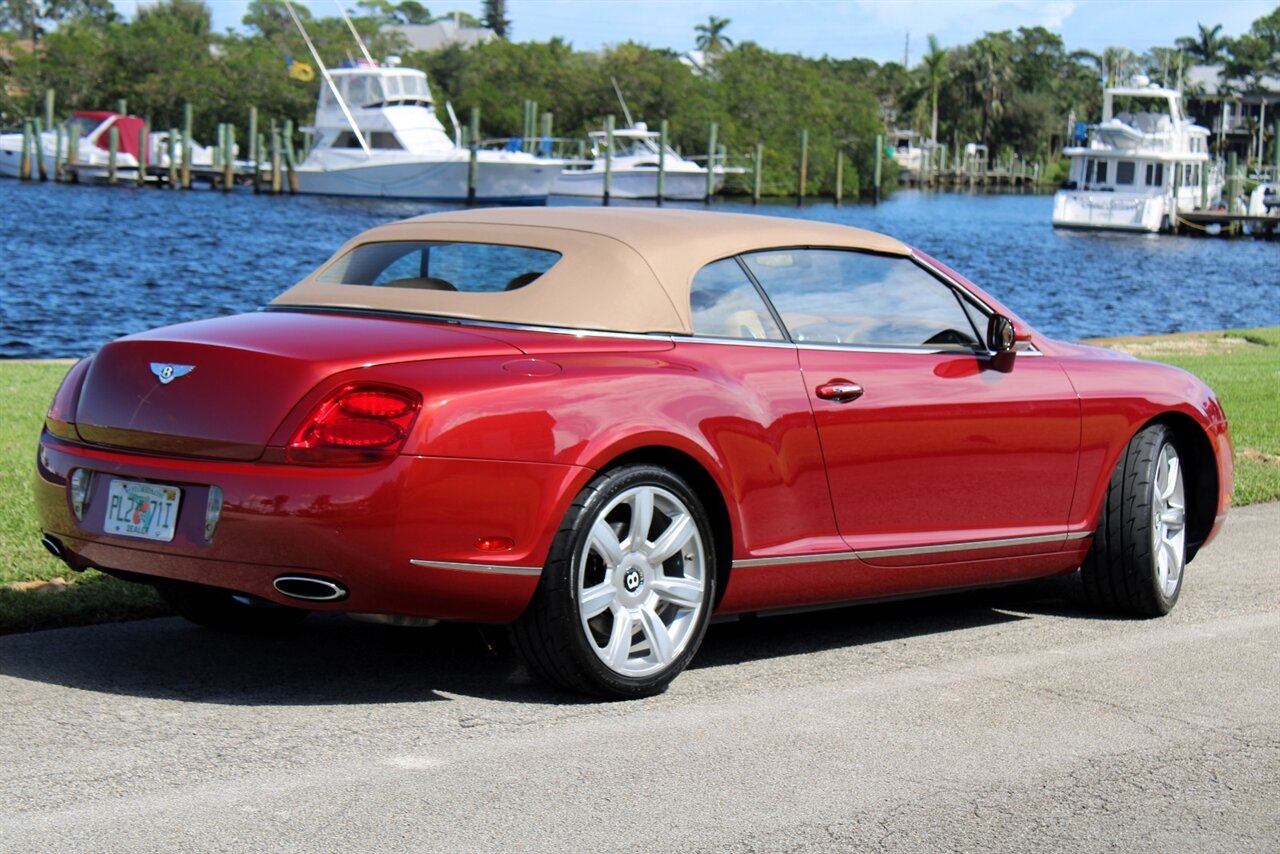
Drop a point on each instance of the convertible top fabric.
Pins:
(621, 270)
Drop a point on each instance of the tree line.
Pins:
(1012, 90)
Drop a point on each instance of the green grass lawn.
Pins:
(1242, 366)
(91, 597)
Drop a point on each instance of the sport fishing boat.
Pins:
(1140, 166)
(634, 163)
(377, 134)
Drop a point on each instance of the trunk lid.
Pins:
(220, 388)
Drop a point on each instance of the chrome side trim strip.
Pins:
(1219, 518)
(492, 569)
(825, 557)
(971, 545)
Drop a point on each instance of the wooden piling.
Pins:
(757, 168)
(58, 169)
(73, 150)
(291, 170)
(229, 158)
(662, 160)
(289, 152)
(24, 165)
(49, 98)
(608, 157)
(839, 176)
(473, 167)
(879, 155)
(113, 136)
(258, 164)
(253, 134)
(711, 161)
(37, 140)
(172, 145)
(804, 162)
(186, 145)
(144, 152)
(276, 184)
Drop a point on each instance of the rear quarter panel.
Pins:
(740, 412)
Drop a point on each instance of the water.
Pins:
(82, 265)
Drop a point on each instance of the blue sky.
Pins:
(876, 29)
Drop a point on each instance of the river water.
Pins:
(82, 265)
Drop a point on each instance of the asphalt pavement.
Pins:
(1008, 720)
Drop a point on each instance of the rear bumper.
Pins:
(401, 537)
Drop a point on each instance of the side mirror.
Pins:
(1001, 335)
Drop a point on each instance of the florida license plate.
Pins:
(145, 510)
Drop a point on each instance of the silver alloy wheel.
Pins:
(641, 581)
(1168, 520)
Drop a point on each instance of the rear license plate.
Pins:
(148, 511)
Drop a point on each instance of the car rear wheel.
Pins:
(1139, 550)
(226, 610)
(626, 594)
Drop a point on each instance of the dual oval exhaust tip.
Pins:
(310, 588)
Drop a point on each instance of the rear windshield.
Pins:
(469, 267)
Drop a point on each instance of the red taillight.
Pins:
(356, 425)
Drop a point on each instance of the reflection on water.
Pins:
(82, 265)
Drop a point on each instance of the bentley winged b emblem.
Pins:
(167, 373)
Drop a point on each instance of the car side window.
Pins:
(834, 296)
(725, 304)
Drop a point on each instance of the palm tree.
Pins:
(711, 38)
(935, 71)
(991, 72)
(1207, 45)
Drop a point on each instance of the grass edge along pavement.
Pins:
(38, 591)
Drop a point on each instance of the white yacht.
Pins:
(634, 167)
(1139, 167)
(377, 134)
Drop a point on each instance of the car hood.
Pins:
(221, 388)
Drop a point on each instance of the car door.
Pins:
(935, 451)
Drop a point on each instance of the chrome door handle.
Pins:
(841, 391)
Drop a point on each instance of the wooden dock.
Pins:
(1224, 224)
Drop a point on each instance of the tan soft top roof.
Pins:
(621, 269)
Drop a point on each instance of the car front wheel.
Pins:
(1136, 563)
(625, 596)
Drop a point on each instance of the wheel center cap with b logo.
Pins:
(632, 580)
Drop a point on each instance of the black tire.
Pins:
(654, 609)
(228, 611)
(1140, 536)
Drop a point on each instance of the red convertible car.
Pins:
(604, 426)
